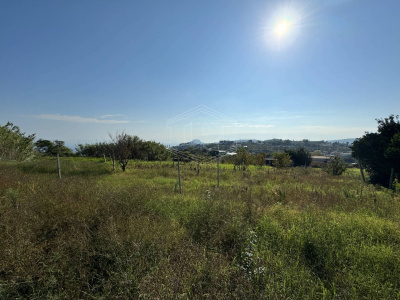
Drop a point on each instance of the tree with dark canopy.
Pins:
(300, 156)
(379, 153)
(52, 147)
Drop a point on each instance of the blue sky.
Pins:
(78, 70)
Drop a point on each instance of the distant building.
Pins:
(320, 159)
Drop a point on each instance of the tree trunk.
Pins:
(361, 171)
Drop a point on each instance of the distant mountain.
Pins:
(192, 143)
(196, 142)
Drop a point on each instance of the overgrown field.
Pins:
(262, 234)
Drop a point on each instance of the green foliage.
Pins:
(336, 166)
(153, 151)
(136, 149)
(242, 158)
(300, 156)
(121, 147)
(282, 160)
(53, 148)
(91, 150)
(392, 153)
(259, 159)
(14, 145)
(378, 152)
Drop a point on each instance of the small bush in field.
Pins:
(336, 166)
(282, 160)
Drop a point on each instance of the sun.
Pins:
(282, 28)
(285, 24)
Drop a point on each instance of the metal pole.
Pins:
(218, 172)
(179, 175)
(58, 166)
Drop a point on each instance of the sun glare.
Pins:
(282, 28)
(285, 24)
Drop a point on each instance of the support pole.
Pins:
(58, 166)
(218, 172)
(179, 176)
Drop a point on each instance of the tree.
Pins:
(242, 158)
(52, 148)
(122, 147)
(44, 146)
(153, 151)
(282, 160)
(300, 156)
(14, 145)
(259, 159)
(336, 166)
(378, 152)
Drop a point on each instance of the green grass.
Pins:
(263, 234)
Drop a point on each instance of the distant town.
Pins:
(318, 149)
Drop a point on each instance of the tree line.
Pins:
(378, 153)
(123, 147)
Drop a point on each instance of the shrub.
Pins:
(336, 166)
(282, 160)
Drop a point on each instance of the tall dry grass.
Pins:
(263, 234)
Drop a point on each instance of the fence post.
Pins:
(218, 172)
(179, 176)
(58, 166)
